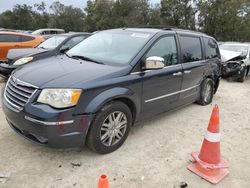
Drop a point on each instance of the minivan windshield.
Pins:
(52, 42)
(237, 48)
(111, 47)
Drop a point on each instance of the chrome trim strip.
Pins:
(15, 95)
(48, 123)
(193, 62)
(176, 65)
(171, 94)
(134, 73)
(18, 109)
(19, 82)
(16, 91)
(139, 72)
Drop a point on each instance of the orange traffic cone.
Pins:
(103, 181)
(208, 164)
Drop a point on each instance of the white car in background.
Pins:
(47, 33)
(236, 60)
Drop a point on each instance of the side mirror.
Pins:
(154, 63)
(64, 49)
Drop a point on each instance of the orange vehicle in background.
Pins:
(12, 40)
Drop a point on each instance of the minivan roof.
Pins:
(73, 33)
(155, 30)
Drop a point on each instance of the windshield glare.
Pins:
(111, 47)
(235, 48)
(52, 42)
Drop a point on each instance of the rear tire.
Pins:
(206, 92)
(110, 128)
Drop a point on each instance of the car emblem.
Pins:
(15, 80)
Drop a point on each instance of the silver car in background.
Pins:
(236, 60)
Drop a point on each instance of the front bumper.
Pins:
(232, 69)
(60, 129)
(6, 69)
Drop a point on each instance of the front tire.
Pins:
(243, 75)
(110, 128)
(206, 92)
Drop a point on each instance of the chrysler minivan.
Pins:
(95, 92)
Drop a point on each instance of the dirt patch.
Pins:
(155, 155)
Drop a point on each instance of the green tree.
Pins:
(66, 17)
(103, 14)
(178, 13)
(19, 18)
(227, 20)
(40, 16)
(155, 15)
(99, 15)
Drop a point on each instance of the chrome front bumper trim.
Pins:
(48, 123)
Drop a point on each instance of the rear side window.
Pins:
(46, 33)
(52, 32)
(26, 38)
(165, 48)
(9, 38)
(212, 50)
(191, 48)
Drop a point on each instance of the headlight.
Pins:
(23, 60)
(59, 98)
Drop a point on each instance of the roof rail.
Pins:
(158, 27)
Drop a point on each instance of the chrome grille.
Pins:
(17, 93)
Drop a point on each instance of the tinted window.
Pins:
(26, 38)
(74, 41)
(53, 32)
(191, 49)
(9, 38)
(211, 47)
(165, 48)
(46, 33)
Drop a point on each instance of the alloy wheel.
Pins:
(208, 92)
(113, 128)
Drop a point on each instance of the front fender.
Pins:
(109, 95)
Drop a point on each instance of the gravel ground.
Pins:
(155, 154)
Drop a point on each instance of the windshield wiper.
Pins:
(42, 47)
(84, 58)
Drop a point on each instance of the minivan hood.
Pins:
(15, 54)
(64, 72)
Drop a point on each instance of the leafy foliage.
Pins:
(179, 13)
(223, 19)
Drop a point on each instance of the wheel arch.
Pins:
(121, 94)
(216, 80)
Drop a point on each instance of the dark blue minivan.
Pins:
(95, 92)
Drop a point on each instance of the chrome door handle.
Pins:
(187, 72)
(177, 74)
